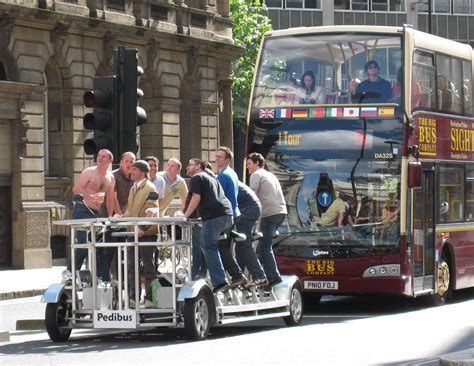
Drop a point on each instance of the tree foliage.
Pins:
(250, 22)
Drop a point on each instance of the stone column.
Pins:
(226, 130)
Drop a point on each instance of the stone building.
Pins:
(50, 50)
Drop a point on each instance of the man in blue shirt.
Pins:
(374, 89)
(230, 183)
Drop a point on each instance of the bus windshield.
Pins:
(326, 115)
(340, 177)
(329, 69)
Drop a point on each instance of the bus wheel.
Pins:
(197, 316)
(444, 285)
(56, 320)
(296, 306)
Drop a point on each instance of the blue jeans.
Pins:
(228, 260)
(246, 256)
(81, 211)
(268, 226)
(198, 266)
(210, 231)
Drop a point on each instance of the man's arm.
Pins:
(340, 219)
(110, 194)
(183, 193)
(193, 204)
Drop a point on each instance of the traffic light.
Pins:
(131, 115)
(103, 98)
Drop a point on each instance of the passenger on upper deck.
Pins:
(309, 92)
(445, 95)
(378, 90)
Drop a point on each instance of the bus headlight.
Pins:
(387, 270)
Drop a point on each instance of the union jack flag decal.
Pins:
(266, 113)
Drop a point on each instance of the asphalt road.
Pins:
(339, 331)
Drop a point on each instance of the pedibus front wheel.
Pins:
(56, 320)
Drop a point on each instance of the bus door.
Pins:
(423, 234)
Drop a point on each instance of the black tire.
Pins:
(296, 306)
(444, 284)
(56, 319)
(198, 316)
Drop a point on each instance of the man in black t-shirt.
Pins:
(216, 214)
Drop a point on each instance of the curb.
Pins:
(19, 294)
(4, 336)
(30, 324)
(463, 358)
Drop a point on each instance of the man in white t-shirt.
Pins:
(269, 192)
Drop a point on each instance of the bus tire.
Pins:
(444, 287)
(56, 319)
(295, 306)
(197, 316)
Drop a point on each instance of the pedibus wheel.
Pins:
(56, 320)
(197, 316)
(296, 306)
(444, 283)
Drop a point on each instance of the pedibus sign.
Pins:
(115, 319)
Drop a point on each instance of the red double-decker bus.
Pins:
(370, 132)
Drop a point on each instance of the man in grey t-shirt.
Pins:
(268, 190)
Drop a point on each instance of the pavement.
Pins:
(16, 283)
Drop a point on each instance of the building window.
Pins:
(115, 5)
(274, 3)
(375, 5)
(461, 6)
(293, 4)
(379, 5)
(447, 6)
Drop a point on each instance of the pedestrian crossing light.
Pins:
(104, 116)
(132, 115)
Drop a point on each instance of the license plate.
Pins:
(321, 285)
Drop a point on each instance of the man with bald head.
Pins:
(96, 185)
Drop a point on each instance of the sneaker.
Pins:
(221, 287)
(239, 281)
(261, 282)
(248, 285)
(274, 281)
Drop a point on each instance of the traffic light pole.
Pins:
(130, 114)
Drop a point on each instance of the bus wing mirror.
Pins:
(414, 174)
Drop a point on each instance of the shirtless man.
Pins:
(94, 184)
